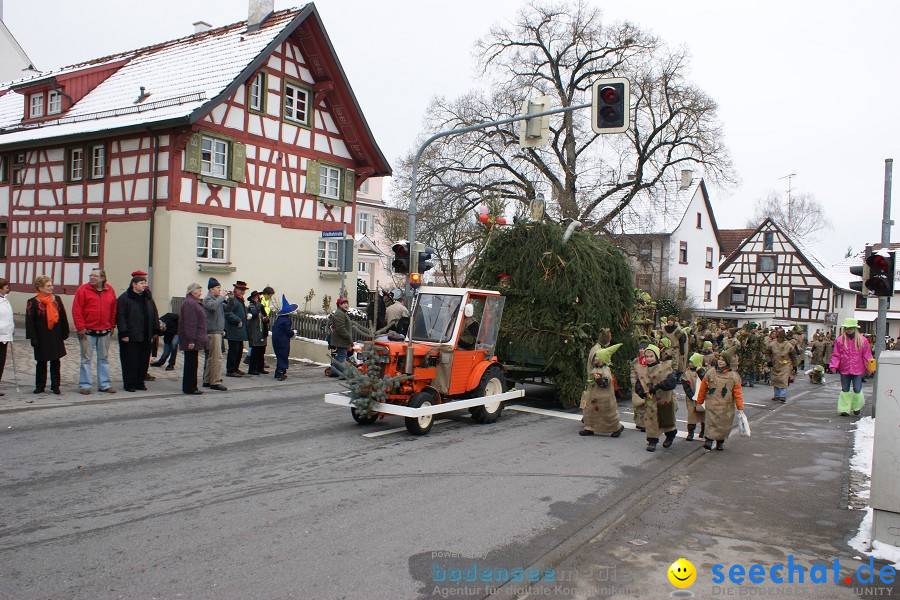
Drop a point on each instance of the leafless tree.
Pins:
(559, 49)
(802, 217)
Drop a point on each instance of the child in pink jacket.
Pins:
(851, 357)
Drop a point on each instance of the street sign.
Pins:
(336, 233)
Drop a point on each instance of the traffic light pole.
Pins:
(411, 234)
(881, 323)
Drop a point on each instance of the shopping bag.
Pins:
(743, 424)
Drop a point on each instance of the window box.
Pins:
(212, 243)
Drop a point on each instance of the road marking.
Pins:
(752, 404)
(376, 434)
(546, 412)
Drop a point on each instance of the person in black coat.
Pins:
(170, 342)
(47, 326)
(137, 322)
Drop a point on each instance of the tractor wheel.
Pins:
(492, 382)
(361, 419)
(420, 425)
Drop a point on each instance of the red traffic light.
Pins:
(877, 262)
(609, 95)
(400, 249)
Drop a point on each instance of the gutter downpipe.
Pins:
(154, 198)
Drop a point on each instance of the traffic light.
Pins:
(415, 280)
(881, 273)
(861, 271)
(424, 258)
(610, 105)
(400, 263)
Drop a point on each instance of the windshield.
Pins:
(434, 318)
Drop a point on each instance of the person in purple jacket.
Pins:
(192, 336)
(851, 357)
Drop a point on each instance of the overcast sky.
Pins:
(803, 87)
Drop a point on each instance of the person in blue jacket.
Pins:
(281, 338)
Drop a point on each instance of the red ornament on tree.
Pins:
(483, 217)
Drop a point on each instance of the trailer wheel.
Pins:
(492, 382)
(357, 416)
(420, 425)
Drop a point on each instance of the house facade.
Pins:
(375, 221)
(773, 271)
(867, 307)
(670, 237)
(235, 152)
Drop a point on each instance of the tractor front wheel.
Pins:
(420, 425)
(359, 418)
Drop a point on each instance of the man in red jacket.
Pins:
(94, 314)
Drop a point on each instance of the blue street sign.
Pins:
(333, 234)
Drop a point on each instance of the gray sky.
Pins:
(803, 87)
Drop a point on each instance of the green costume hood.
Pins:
(605, 355)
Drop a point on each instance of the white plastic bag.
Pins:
(743, 424)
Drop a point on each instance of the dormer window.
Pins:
(54, 102)
(36, 102)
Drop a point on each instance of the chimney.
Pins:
(201, 26)
(687, 177)
(257, 12)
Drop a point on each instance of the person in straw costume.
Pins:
(598, 402)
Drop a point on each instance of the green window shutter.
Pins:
(192, 155)
(238, 161)
(349, 186)
(312, 177)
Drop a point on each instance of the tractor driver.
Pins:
(469, 328)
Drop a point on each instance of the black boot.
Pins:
(670, 437)
(707, 445)
(585, 432)
(690, 435)
(702, 430)
(720, 444)
(619, 432)
(651, 444)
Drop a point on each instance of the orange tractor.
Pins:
(447, 359)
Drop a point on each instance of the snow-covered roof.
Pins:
(842, 269)
(180, 76)
(837, 278)
(654, 211)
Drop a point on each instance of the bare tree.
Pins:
(559, 49)
(802, 217)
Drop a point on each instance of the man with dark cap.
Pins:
(235, 329)
(213, 306)
(149, 348)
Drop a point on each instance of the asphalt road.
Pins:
(277, 495)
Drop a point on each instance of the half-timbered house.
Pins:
(773, 271)
(227, 153)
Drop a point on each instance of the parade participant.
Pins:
(170, 342)
(598, 402)
(673, 332)
(829, 346)
(850, 356)
(638, 403)
(47, 326)
(257, 334)
(689, 382)
(817, 347)
(782, 362)
(282, 334)
(722, 387)
(801, 344)
(192, 336)
(655, 384)
(708, 353)
(665, 348)
(816, 375)
(469, 329)
(94, 315)
(394, 311)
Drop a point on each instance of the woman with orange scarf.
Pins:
(47, 326)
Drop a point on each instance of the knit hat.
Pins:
(696, 360)
(666, 342)
(663, 320)
(653, 349)
(286, 307)
(213, 282)
(605, 355)
(707, 345)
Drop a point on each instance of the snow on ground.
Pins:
(861, 462)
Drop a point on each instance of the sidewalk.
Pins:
(167, 383)
(782, 492)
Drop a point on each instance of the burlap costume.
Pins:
(783, 357)
(674, 334)
(720, 392)
(638, 404)
(659, 416)
(818, 349)
(598, 402)
(690, 380)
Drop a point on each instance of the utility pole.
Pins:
(789, 178)
(881, 321)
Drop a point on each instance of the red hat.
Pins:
(138, 273)
(341, 300)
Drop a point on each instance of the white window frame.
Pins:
(92, 237)
(215, 153)
(54, 102)
(759, 261)
(206, 243)
(73, 239)
(330, 180)
(709, 257)
(327, 255)
(255, 96)
(76, 164)
(365, 223)
(36, 106)
(292, 94)
(707, 291)
(364, 268)
(740, 291)
(98, 162)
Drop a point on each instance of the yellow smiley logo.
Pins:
(682, 573)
